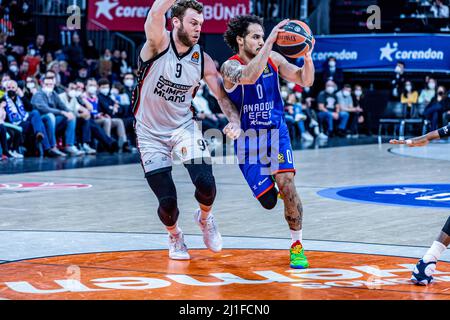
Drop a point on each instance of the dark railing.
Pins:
(275, 10)
(56, 7)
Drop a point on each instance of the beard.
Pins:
(248, 52)
(183, 36)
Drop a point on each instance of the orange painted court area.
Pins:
(231, 274)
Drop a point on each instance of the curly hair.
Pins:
(180, 7)
(238, 26)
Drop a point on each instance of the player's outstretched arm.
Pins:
(422, 140)
(215, 85)
(303, 76)
(235, 73)
(156, 34)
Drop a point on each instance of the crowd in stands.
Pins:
(76, 101)
(72, 101)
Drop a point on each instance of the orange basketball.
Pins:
(297, 39)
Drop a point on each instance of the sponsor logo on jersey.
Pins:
(170, 91)
(281, 158)
(267, 72)
(195, 57)
(417, 195)
(184, 151)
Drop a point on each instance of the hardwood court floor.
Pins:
(113, 210)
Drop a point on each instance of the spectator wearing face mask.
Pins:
(440, 10)
(345, 100)
(398, 83)
(5, 154)
(428, 93)
(69, 98)
(409, 97)
(294, 115)
(109, 107)
(14, 70)
(31, 87)
(330, 111)
(363, 114)
(105, 64)
(20, 113)
(96, 130)
(438, 106)
(82, 74)
(56, 116)
(332, 72)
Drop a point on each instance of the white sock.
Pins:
(434, 252)
(296, 235)
(205, 214)
(174, 230)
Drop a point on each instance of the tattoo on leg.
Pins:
(293, 209)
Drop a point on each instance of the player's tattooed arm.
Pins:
(215, 84)
(157, 37)
(303, 76)
(235, 73)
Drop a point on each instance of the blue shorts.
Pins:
(261, 157)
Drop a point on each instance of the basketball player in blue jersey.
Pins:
(423, 272)
(251, 79)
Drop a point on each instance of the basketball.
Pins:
(297, 39)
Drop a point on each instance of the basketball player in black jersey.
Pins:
(423, 272)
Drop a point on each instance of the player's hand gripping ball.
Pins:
(296, 40)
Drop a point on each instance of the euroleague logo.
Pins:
(41, 186)
(416, 195)
(231, 274)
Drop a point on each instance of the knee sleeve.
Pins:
(205, 184)
(164, 189)
(269, 199)
(168, 211)
(446, 227)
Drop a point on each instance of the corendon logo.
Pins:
(35, 186)
(124, 15)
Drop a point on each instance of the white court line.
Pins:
(13, 209)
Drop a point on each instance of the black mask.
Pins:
(11, 93)
(441, 93)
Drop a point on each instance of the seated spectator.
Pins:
(203, 112)
(5, 154)
(332, 72)
(90, 102)
(105, 65)
(30, 121)
(124, 66)
(69, 98)
(398, 83)
(409, 97)
(439, 9)
(359, 103)
(438, 106)
(14, 70)
(119, 95)
(345, 100)
(116, 62)
(31, 87)
(294, 115)
(64, 73)
(427, 94)
(56, 116)
(112, 109)
(330, 110)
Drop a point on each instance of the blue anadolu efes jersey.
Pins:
(260, 104)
